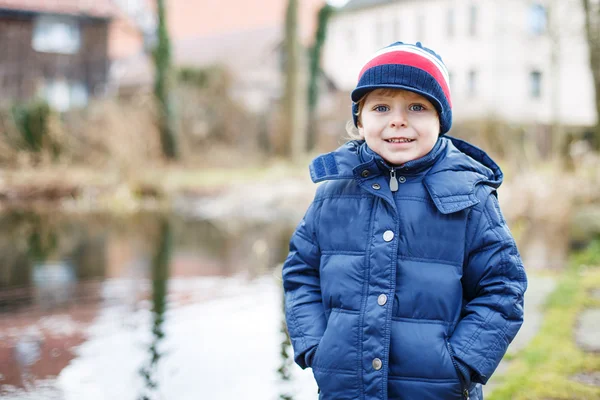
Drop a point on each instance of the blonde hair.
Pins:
(351, 129)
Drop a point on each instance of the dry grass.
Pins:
(540, 201)
(546, 367)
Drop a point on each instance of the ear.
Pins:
(361, 129)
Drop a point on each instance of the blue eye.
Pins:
(416, 107)
(381, 108)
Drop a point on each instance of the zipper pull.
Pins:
(393, 180)
(466, 393)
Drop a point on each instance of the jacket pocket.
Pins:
(422, 340)
(337, 349)
(463, 384)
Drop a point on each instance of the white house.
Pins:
(499, 53)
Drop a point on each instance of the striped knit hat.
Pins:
(409, 67)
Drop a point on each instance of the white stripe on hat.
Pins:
(415, 50)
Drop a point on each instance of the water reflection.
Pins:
(287, 360)
(88, 303)
(160, 276)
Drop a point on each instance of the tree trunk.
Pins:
(162, 86)
(596, 72)
(315, 72)
(557, 131)
(592, 30)
(293, 140)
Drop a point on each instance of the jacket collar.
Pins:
(452, 170)
(417, 166)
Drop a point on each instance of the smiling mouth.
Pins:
(399, 140)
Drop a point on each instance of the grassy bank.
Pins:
(150, 187)
(545, 368)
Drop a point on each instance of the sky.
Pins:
(337, 3)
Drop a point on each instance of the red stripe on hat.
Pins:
(412, 60)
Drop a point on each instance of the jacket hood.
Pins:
(458, 168)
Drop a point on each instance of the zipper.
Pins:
(465, 390)
(393, 180)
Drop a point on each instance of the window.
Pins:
(420, 28)
(535, 84)
(472, 83)
(473, 20)
(56, 34)
(450, 23)
(538, 19)
(63, 95)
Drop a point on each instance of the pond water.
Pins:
(143, 307)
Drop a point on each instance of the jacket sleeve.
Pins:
(494, 282)
(305, 314)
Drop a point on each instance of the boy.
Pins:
(403, 280)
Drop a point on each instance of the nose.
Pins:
(398, 120)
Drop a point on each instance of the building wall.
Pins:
(24, 71)
(502, 52)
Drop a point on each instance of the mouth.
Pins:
(399, 140)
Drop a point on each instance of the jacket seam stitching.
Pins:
(365, 292)
(342, 196)
(490, 246)
(293, 311)
(345, 311)
(492, 225)
(388, 320)
(426, 380)
(338, 370)
(343, 252)
(296, 328)
(489, 315)
(314, 233)
(419, 199)
(466, 197)
(421, 321)
(429, 260)
(305, 237)
(466, 252)
(494, 347)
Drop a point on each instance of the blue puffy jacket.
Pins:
(407, 294)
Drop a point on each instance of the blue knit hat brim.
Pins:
(359, 93)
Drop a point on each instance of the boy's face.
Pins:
(398, 125)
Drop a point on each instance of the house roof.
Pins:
(189, 19)
(249, 55)
(358, 4)
(90, 8)
(239, 51)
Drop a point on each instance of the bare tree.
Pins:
(555, 53)
(315, 72)
(162, 86)
(591, 10)
(293, 133)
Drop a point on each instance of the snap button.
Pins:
(382, 299)
(388, 236)
(376, 186)
(401, 179)
(365, 173)
(377, 364)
